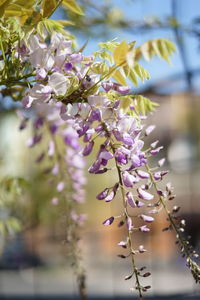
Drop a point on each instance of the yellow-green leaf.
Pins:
(144, 105)
(130, 58)
(120, 53)
(73, 6)
(133, 77)
(2, 2)
(117, 75)
(141, 72)
(110, 45)
(125, 102)
(48, 7)
(3, 5)
(66, 22)
(22, 9)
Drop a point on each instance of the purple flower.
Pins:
(139, 203)
(71, 138)
(95, 167)
(156, 151)
(60, 186)
(41, 74)
(154, 144)
(53, 128)
(127, 139)
(88, 148)
(105, 155)
(108, 221)
(142, 249)
(146, 218)
(144, 228)
(55, 169)
(33, 141)
(76, 57)
(122, 89)
(149, 129)
(142, 174)
(145, 195)
(161, 162)
(157, 175)
(103, 194)
(121, 155)
(130, 199)
(83, 130)
(165, 172)
(135, 160)
(108, 85)
(110, 197)
(68, 66)
(129, 179)
(129, 224)
(122, 243)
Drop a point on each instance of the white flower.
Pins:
(59, 83)
(98, 101)
(42, 58)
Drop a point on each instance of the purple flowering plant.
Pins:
(72, 101)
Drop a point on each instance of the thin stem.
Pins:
(195, 270)
(2, 50)
(113, 68)
(17, 81)
(130, 243)
(162, 201)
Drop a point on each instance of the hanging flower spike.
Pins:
(68, 86)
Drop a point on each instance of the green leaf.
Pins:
(100, 68)
(104, 55)
(50, 26)
(110, 45)
(117, 75)
(141, 72)
(120, 53)
(144, 105)
(73, 6)
(125, 102)
(133, 77)
(49, 6)
(74, 84)
(22, 9)
(65, 22)
(161, 47)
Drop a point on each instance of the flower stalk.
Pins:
(183, 244)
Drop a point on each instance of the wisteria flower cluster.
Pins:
(73, 100)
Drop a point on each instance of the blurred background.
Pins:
(34, 261)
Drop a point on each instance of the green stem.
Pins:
(130, 243)
(115, 67)
(17, 81)
(2, 50)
